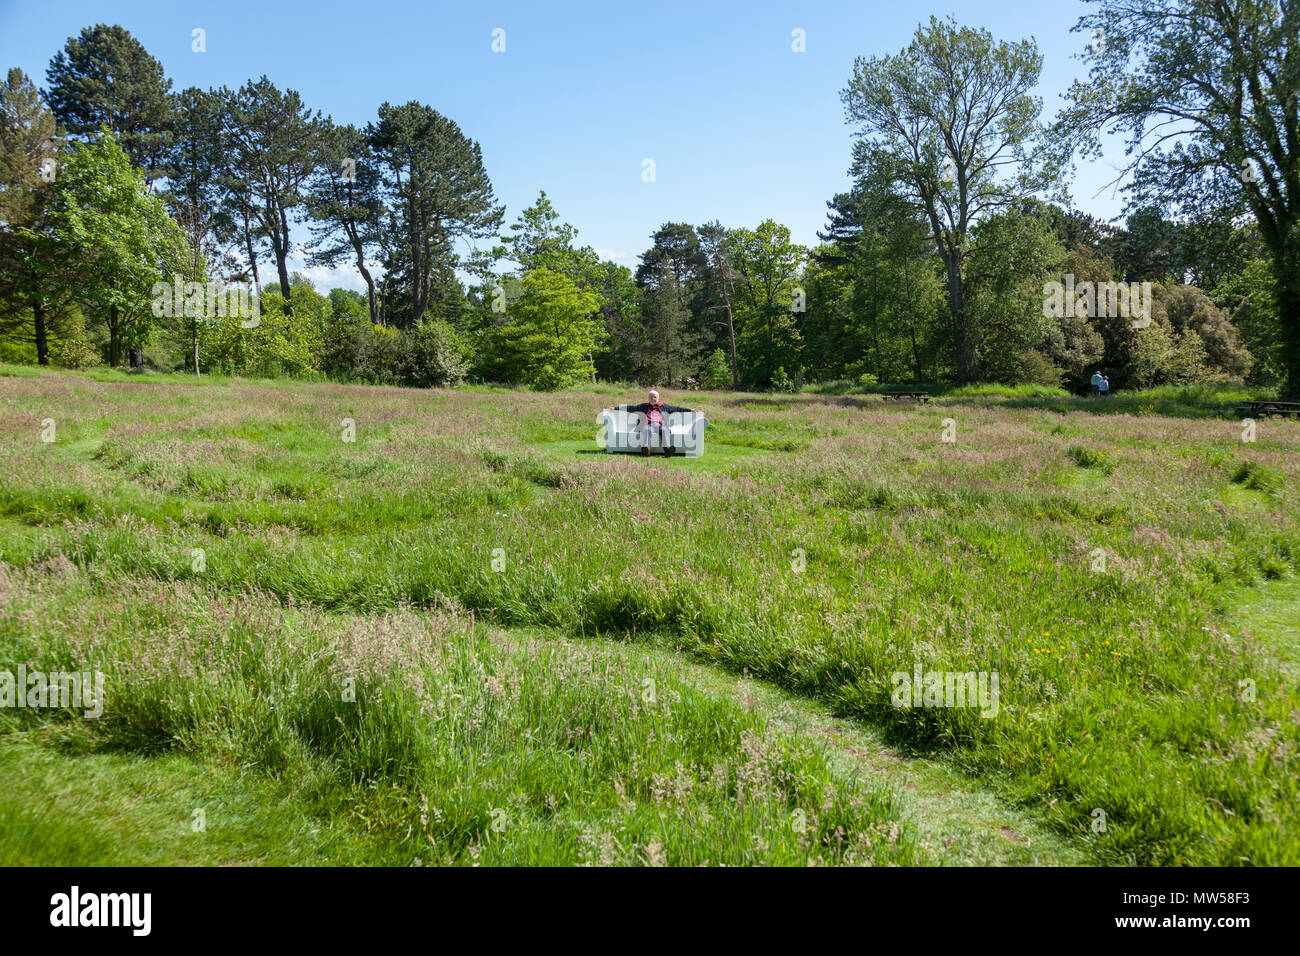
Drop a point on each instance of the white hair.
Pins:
(654, 393)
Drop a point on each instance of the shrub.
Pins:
(389, 353)
(352, 349)
(548, 379)
(277, 344)
(74, 352)
(1148, 358)
(1214, 346)
(1034, 368)
(436, 357)
(1189, 341)
(717, 374)
(781, 381)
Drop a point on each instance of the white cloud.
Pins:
(324, 278)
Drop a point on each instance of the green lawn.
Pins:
(118, 809)
(502, 596)
(718, 457)
(1270, 613)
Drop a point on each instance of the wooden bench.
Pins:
(1268, 409)
(904, 396)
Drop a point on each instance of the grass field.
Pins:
(469, 636)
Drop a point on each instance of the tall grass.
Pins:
(440, 743)
(851, 544)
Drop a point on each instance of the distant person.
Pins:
(1097, 379)
(1105, 385)
(655, 425)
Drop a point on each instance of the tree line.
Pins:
(935, 266)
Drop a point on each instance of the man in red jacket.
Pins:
(655, 423)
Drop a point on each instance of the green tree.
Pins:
(551, 333)
(1250, 299)
(769, 265)
(1211, 250)
(950, 125)
(873, 290)
(719, 295)
(1189, 312)
(675, 265)
(1012, 254)
(621, 314)
(270, 145)
(279, 344)
(346, 207)
(1208, 94)
(539, 239)
(717, 374)
(105, 77)
(1076, 228)
(195, 198)
(437, 192)
(117, 237)
(829, 327)
(669, 344)
(1146, 249)
(35, 287)
(675, 247)
(348, 347)
(209, 181)
(1076, 343)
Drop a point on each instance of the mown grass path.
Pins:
(959, 821)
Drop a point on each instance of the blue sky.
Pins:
(739, 126)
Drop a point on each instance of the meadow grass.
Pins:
(1092, 553)
(404, 737)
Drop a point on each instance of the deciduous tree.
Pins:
(117, 238)
(35, 287)
(1208, 94)
(950, 124)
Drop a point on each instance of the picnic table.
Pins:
(1264, 409)
(904, 396)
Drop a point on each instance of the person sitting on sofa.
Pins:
(655, 423)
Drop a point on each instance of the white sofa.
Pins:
(622, 431)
